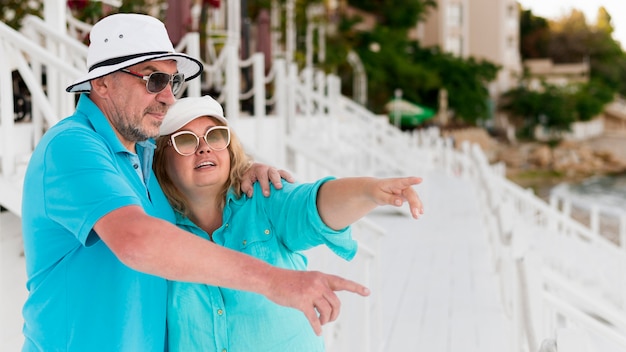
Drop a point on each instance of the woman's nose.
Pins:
(203, 147)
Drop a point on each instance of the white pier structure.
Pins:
(489, 267)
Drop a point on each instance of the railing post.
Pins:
(321, 87)
(333, 91)
(55, 13)
(258, 81)
(281, 101)
(594, 219)
(307, 98)
(232, 85)
(292, 83)
(622, 230)
(7, 148)
(567, 207)
(192, 48)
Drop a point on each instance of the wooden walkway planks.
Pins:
(439, 289)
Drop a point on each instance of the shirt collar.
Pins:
(100, 123)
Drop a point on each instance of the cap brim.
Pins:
(188, 109)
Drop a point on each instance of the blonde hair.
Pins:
(239, 164)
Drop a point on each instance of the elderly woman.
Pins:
(200, 162)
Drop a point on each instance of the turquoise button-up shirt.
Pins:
(275, 229)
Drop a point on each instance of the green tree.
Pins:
(534, 35)
(13, 11)
(389, 65)
(465, 80)
(575, 41)
(399, 14)
(571, 40)
(603, 21)
(393, 62)
(556, 107)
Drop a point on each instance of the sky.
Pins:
(553, 9)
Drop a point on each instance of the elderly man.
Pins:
(98, 234)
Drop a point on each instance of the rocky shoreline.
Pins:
(541, 166)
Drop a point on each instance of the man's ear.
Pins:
(100, 85)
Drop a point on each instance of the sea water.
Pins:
(604, 190)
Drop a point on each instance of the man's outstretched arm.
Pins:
(156, 247)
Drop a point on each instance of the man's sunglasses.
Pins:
(186, 142)
(157, 81)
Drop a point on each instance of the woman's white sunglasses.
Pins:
(186, 142)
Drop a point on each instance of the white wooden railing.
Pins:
(556, 275)
(602, 219)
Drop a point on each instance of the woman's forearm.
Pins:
(341, 202)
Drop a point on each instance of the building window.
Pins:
(511, 11)
(454, 15)
(454, 45)
(511, 43)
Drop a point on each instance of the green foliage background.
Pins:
(392, 61)
(568, 40)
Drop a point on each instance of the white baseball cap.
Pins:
(122, 40)
(188, 109)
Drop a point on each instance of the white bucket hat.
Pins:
(122, 40)
(188, 109)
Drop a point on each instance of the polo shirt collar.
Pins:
(100, 123)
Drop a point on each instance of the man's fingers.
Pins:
(335, 305)
(246, 186)
(247, 182)
(325, 311)
(263, 180)
(275, 178)
(337, 283)
(312, 292)
(287, 176)
(311, 315)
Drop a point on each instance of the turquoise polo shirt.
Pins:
(81, 297)
(275, 229)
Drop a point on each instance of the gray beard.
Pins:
(132, 133)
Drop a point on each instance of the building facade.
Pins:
(483, 29)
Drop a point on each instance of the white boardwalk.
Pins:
(439, 290)
(12, 283)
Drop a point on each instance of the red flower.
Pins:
(213, 3)
(77, 4)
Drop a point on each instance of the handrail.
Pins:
(22, 51)
(609, 313)
(36, 25)
(560, 196)
(24, 44)
(514, 215)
